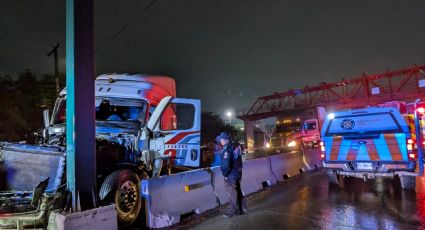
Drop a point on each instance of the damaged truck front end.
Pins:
(32, 184)
(33, 178)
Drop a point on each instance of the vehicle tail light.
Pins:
(410, 145)
(322, 148)
(412, 156)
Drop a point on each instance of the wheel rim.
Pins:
(127, 197)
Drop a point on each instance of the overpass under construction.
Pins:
(399, 85)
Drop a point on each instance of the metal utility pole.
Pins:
(80, 114)
(54, 51)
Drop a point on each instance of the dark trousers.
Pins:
(234, 193)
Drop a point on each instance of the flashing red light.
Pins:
(412, 156)
(322, 156)
(421, 110)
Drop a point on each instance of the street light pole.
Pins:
(229, 115)
(54, 51)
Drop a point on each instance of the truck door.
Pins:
(176, 134)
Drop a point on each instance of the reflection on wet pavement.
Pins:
(308, 202)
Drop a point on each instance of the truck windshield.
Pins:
(111, 109)
(288, 127)
(311, 125)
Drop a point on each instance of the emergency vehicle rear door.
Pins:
(373, 134)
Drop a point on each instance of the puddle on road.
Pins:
(374, 204)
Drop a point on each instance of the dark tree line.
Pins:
(22, 100)
(212, 125)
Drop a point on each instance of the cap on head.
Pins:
(223, 135)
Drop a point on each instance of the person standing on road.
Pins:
(231, 168)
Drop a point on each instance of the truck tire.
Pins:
(332, 177)
(407, 182)
(123, 189)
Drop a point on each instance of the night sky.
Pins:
(227, 52)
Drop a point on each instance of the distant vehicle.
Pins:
(308, 135)
(369, 143)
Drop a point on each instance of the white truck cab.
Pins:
(125, 102)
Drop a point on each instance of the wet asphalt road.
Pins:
(308, 202)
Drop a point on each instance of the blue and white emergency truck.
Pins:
(372, 142)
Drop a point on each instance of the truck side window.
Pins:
(178, 117)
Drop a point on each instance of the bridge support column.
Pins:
(249, 135)
(80, 114)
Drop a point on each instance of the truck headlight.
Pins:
(292, 144)
(56, 130)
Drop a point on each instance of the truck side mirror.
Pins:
(142, 139)
(143, 135)
(46, 118)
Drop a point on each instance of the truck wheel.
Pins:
(332, 177)
(124, 192)
(407, 182)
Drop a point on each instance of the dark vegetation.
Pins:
(212, 125)
(22, 100)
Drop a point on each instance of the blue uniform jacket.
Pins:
(231, 163)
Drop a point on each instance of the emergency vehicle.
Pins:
(373, 142)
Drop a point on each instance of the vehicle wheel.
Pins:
(124, 187)
(407, 182)
(332, 177)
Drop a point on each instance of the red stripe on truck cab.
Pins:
(179, 137)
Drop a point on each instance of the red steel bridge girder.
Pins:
(357, 92)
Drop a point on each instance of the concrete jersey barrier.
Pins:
(312, 158)
(169, 197)
(256, 175)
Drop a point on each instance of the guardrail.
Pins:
(170, 197)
